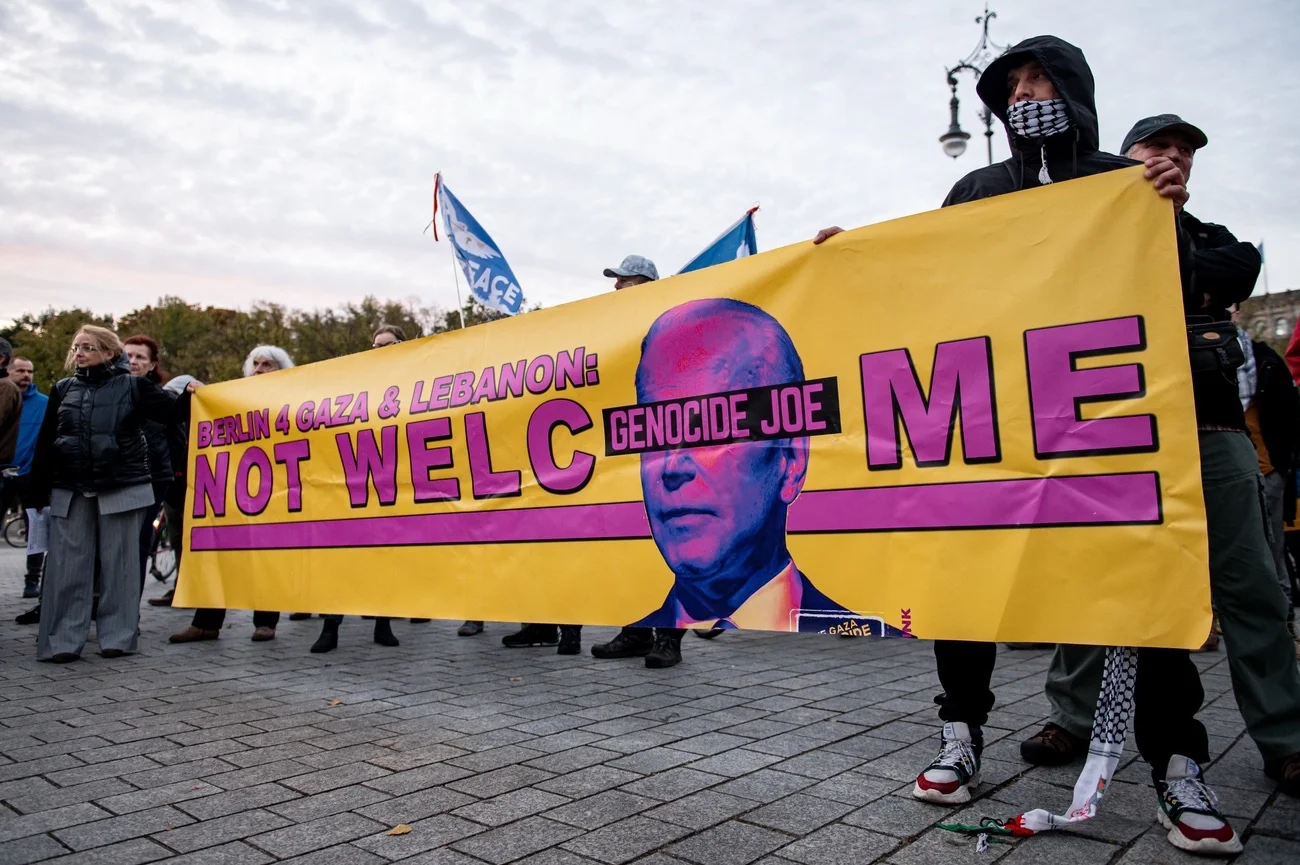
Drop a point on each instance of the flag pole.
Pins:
(455, 267)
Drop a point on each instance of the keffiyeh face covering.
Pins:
(1038, 120)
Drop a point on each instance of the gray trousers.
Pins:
(1252, 612)
(1274, 502)
(69, 585)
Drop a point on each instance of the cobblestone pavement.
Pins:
(774, 748)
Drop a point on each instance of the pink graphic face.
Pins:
(717, 513)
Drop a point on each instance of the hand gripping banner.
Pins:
(974, 423)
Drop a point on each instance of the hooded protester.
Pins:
(15, 490)
(1043, 91)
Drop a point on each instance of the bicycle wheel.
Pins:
(15, 530)
(162, 558)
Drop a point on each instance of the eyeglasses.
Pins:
(87, 348)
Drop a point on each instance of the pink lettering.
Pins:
(371, 464)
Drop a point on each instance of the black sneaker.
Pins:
(570, 640)
(31, 589)
(667, 651)
(532, 635)
(31, 617)
(630, 643)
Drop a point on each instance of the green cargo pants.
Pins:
(1252, 611)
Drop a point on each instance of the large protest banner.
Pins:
(974, 423)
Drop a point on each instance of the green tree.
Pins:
(44, 338)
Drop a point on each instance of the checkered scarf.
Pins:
(1038, 120)
(1247, 373)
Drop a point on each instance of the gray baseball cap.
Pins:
(1150, 127)
(634, 265)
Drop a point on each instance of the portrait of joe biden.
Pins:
(718, 512)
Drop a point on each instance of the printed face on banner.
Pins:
(754, 446)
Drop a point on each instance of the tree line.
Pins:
(210, 343)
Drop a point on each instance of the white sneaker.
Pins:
(1189, 810)
(952, 775)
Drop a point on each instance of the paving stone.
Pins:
(279, 770)
(765, 785)
(940, 847)
(572, 759)
(211, 833)
(625, 840)
(418, 779)
(103, 832)
(98, 771)
(415, 806)
(516, 840)
(703, 809)
(331, 779)
(511, 806)
(299, 838)
(900, 816)
(820, 764)
(601, 809)
(733, 843)
(1063, 850)
(734, 763)
(653, 760)
(234, 801)
(1263, 850)
(798, 814)
(427, 834)
(673, 784)
(341, 854)
(33, 848)
(586, 782)
(133, 852)
(500, 781)
(234, 853)
(839, 843)
(45, 821)
(140, 800)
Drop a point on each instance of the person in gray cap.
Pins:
(1243, 574)
(634, 270)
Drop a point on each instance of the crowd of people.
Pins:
(105, 451)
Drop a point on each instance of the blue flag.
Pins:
(485, 268)
(737, 241)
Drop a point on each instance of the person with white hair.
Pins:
(266, 358)
(207, 623)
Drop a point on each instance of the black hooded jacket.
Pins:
(1073, 153)
(92, 438)
(1076, 153)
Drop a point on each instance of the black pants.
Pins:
(146, 530)
(212, 620)
(1168, 696)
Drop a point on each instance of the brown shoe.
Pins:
(1286, 772)
(1053, 746)
(164, 601)
(193, 635)
(262, 635)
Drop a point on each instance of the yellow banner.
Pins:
(974, 423)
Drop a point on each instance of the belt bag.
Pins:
(1213, 345)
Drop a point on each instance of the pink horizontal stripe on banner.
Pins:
(1091, 500)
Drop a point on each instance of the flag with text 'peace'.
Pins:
(489, 276)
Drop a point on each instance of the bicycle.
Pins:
(162, 556)
(15, 520)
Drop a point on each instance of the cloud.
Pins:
(237, 150)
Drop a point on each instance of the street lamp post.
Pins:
(954, 140)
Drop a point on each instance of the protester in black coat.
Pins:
(92, 471)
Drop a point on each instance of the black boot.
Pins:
(31, 617)
(384, 633)
(667, 651)
(570, 640)
(531, 635)
(328, 640)
(630, 643)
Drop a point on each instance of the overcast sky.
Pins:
(230, 151)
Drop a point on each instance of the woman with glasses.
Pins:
(92, 471)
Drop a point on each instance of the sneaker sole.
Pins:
(1206, 846)
(959, 796)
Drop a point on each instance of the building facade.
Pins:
(1272, 317)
